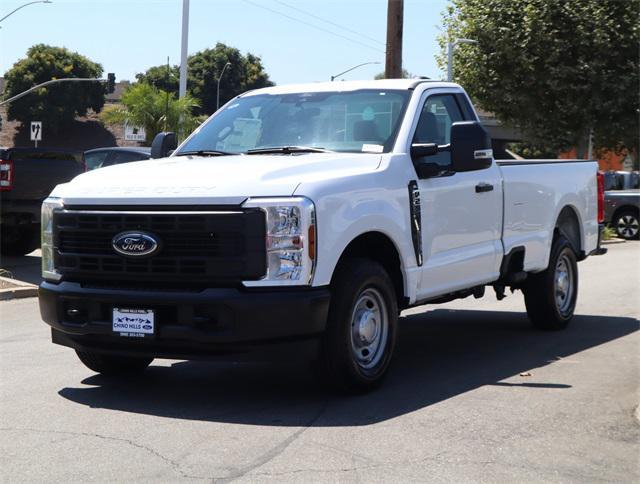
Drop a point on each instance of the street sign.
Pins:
(134, 133)
(36, 131)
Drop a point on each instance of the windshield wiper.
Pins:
(205, 153)
(287, 150)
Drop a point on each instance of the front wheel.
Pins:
(361, 329)
(551, 295)
(627, 225)
(112, 365)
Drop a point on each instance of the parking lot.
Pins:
(474, 395)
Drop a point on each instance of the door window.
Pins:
(434, 126)
(118, 157)
(94, 160)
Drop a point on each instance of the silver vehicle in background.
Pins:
(622, 202)
(622, 208)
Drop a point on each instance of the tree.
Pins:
(245, 72)
(165, 78)
(155, 110)
(405, 75)
(559, 70)
(58, 104)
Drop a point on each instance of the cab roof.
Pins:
(401, 84)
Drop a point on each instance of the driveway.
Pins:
(474, 395)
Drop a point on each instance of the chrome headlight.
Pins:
(49, 206)
(290, 240)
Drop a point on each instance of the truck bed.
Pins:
(533, 190)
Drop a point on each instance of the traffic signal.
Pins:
(111, 82)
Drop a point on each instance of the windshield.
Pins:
(354, 121)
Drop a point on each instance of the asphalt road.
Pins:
(474, 395)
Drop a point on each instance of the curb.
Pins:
(21, 290)
(613, 241)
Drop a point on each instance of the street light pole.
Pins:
(451, 46)
(352, 68)
(182, 85)
(52, 81)
(218, 91)
(183, 54)
(22, 6)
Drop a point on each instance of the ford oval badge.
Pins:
(135, 244)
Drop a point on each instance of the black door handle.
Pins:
(483, 187)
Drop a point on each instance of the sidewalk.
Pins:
(19, 276)
(14, 289)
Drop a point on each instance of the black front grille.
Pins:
(213, 247)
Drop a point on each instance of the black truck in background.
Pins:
(27, 176)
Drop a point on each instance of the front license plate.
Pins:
(135, 323)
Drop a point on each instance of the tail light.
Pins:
(600, 197)
(6, 175)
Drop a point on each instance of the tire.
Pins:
(20, 240)
(551, 295)
(626, 224)
(111, 365)
(361, 330)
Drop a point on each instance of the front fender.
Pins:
(343, 218)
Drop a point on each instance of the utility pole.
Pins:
(393, 64)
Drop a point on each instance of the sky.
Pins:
(298, 40)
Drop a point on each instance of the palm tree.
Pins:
(155, 110)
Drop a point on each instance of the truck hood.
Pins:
(222, 180)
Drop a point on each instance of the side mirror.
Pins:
(419, 150)
(428, 170)
(470, 147)
(163, 144)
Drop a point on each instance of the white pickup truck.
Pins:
(306, 218)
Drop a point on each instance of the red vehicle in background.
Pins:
(27, 176)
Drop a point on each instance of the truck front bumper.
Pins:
(188, 325)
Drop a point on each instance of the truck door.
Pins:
(461, 213)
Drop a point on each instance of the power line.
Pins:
(313, 26)
(329, 22)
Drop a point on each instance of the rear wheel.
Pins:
(361, 330)
(627, 225)
(551, 295)
(112, 365)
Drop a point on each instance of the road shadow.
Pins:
(25, 268)
(441, 354)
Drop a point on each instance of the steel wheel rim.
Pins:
(627, 226)
(369, 328)
(564, 284)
